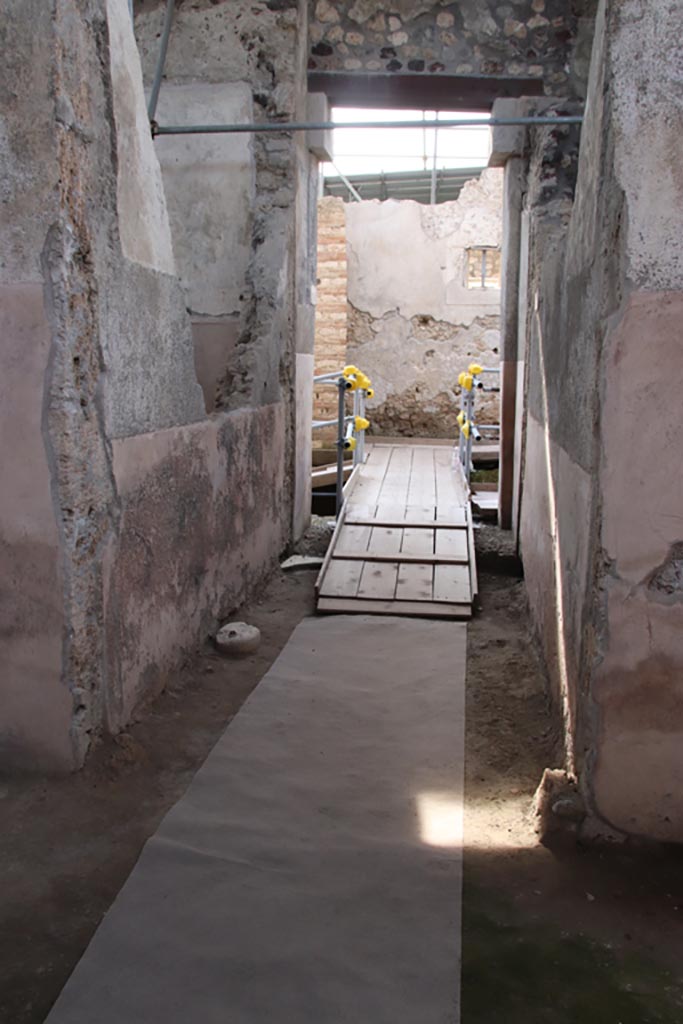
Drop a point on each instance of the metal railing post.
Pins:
(356, 412)
(361, 433)
(339, 497)
(468, 447)
(159, 70)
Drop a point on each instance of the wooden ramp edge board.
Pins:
(434, 585)
(322, 476)
(410, 609)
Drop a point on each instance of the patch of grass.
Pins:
(484, 476)
(528, 974)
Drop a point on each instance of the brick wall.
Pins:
(331, 311)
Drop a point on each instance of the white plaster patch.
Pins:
(143, 219)
(408, 257)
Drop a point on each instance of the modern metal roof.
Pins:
(415, 185)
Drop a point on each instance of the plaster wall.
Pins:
(201, 526)
(36, 705)
(413, 324)
(209, 181)
(606, 295)
(141, 522)
(252, 55)
(143, 220)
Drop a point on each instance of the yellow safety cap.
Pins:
(350, 444)
(475, 368)
(460, 418)
(361, 423)
(466, 428)
(369, 392)
(349, 370)
(363, 381)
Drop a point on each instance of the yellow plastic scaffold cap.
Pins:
(361, 423)
(475, 369)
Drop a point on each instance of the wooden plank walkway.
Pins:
(403, 544)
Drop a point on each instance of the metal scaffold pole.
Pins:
(307, 126)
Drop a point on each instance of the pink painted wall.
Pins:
(639, 681)
(201, 523)
(35, 703)
(602, 507)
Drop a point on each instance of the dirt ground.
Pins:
(573, 934)
(569, 935)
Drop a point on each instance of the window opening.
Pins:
(483, 267)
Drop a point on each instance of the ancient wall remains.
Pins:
(130, 521)
(331, 317)
(414, 324)
(601, 501)
(242, 206)
(525, 39)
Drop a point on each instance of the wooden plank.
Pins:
(410, 442)
(360, 520)
(394, 488)
(449, 489)
(352, 540)
(420, 513)
(324, 475)
(369, 485)
(452, 583)
(452, 515)
(411, 609)
(351, 484)
(330, 549)
(384, 540)
(378, 580)
(422, 487)
(359, 511)
(417, 540)
(474, 583)
(451, 542)
(368, 556)
(390, 510)
(341, 578)
(414, 581)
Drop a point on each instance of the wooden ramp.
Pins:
(403, 544)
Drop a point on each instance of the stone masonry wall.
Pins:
(130, 522)
(331, 308)
(413, 324)
(601, 534)
(524, 38)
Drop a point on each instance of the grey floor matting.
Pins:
(312, 872)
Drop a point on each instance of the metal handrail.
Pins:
(350, 427)
(470, 382)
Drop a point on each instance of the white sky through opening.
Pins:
(376, 150)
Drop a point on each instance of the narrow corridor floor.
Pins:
(313, 869)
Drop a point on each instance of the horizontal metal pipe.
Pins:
(328, 423)
(324, 126)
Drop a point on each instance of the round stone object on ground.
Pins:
(238, 639)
